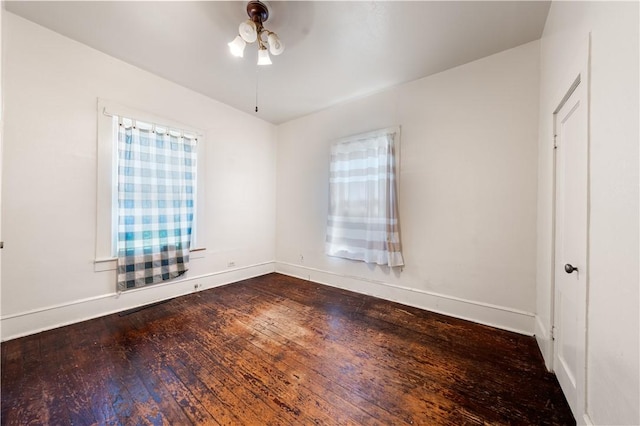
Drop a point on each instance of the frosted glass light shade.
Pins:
(237, 46)
(248, 31)
(263, 57)
(276, 47)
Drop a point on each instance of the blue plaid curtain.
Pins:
(156, 189)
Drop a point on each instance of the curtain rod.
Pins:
(154, 125)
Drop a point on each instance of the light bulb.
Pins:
(263, 57)
(237, 46)
(276, 47)
(248, 31)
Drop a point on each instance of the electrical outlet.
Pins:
(197, 287)
(231, 264)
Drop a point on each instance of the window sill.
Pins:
(109, 263)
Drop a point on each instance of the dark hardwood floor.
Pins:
(278, 350)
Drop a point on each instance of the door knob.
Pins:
(569, 268)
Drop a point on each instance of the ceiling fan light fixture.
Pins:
(263, 57)
(252, 30)
(237, 47)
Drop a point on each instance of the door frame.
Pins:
(577, 74)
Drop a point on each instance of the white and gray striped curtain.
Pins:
(363, 202)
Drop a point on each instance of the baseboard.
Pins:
(545, 342)
(483, 313)
(37, 320)
(586, 419)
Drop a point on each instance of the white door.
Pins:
(571, 137)
(1, 135)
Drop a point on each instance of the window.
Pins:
(149, 183)
(363, 203)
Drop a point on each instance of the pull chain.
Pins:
(257, 89)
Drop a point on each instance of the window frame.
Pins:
(107, 185)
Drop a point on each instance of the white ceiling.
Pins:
(335, 51)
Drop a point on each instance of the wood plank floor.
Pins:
(276, 350)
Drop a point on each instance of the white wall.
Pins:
(467, 190)
(613, 375)
(49, 182)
